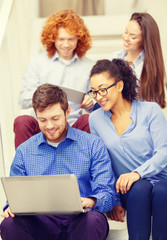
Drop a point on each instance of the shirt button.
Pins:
(59, 170)
(58, 152)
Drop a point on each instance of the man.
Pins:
(61, 149)
(66, 40)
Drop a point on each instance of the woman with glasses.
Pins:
(135, 133)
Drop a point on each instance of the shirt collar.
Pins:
(70, 135)
(122, 54)
(56, 57)
(132, 112)
(138, 60)
(41, 139)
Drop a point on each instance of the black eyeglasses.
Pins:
(102, 91)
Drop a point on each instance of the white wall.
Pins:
(14, 54)
(16, 20)
(119, 7)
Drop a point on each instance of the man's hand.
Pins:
(126, 180)
(117, 214)
(87, 102)
(7, 213)
(88, 202)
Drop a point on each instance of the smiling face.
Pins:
(53, 122)
(132, 37)
(65, 44)
(102, 80)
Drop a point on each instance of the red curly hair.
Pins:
(69, 20)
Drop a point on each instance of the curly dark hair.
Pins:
(48, 94)
(119, 70)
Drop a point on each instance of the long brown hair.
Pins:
(152, 80)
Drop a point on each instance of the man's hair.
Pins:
(48, 94)
(119, 70)
(74, 25)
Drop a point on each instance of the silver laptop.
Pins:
(53, 194)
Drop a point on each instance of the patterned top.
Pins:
(82, 154)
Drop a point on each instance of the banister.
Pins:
(4, 16)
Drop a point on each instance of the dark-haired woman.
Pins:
(135, 133)
(142, 50)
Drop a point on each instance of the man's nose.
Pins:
(66, 43)
(50, 125)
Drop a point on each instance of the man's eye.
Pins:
(42, 120)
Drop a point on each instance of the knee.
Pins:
(96, 222)
(91, 225)
(94, 218)
(5, 226)
(23, 121)
(159, 192)
(82, 123)
(140, 190)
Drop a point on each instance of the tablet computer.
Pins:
(72, 94)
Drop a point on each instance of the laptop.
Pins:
(48, 194)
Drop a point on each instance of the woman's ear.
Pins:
(120, 85)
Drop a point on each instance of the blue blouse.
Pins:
(143, 145)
